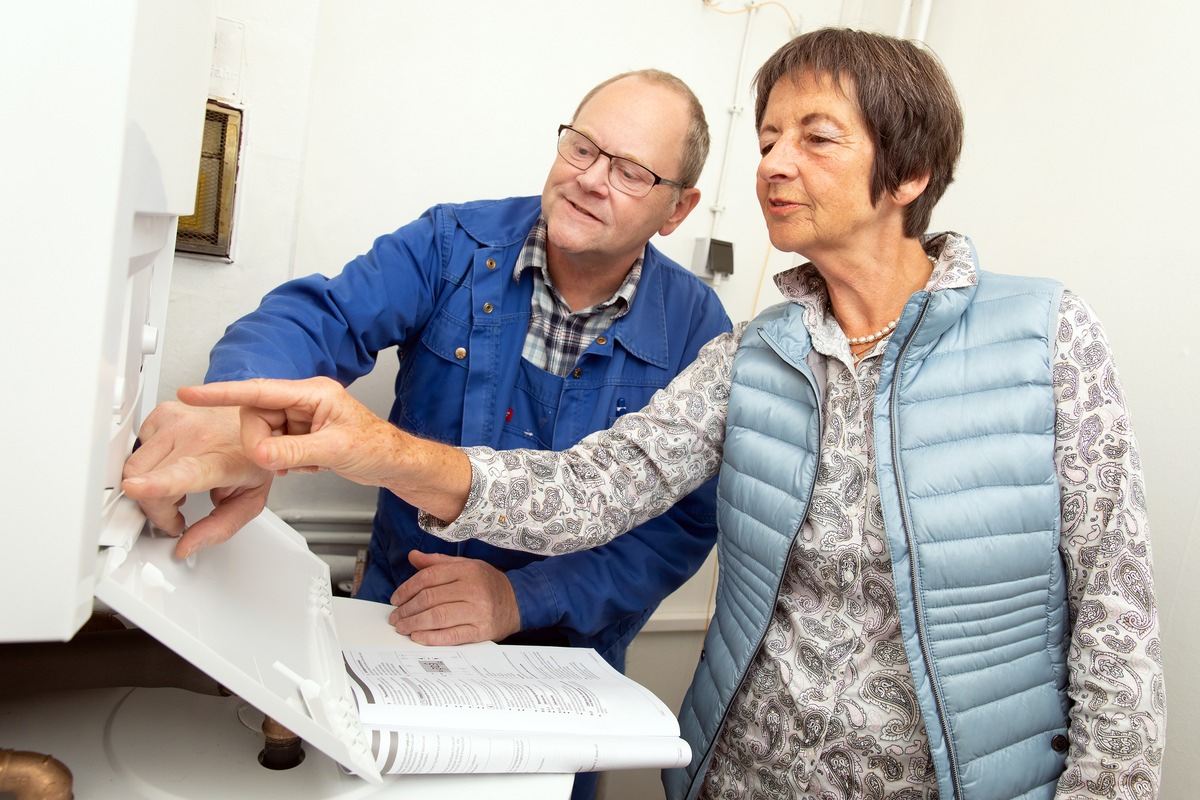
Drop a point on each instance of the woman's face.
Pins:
(814, 177)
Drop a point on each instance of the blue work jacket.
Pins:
(441, 289)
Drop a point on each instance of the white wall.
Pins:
(1080, 164)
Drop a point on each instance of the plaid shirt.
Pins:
(557, 336)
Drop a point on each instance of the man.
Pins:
(522, 322)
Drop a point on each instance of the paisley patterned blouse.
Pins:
(829, 710)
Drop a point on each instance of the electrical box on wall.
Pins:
(209, 229)
(713, 257)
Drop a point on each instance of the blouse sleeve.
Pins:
(1115, 657)
(612, 481)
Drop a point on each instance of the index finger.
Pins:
(258, 392)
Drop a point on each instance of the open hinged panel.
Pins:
(254, 613)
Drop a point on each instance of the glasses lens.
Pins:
(630, 178)
(577, 148)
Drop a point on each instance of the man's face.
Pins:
(592, 225)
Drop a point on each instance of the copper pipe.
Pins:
(282, 749)
(34, 776)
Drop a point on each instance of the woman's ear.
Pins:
(911, 189)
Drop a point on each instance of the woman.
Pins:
(935, 573)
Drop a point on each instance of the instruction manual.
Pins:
(491, 708)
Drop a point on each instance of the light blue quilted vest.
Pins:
(964, 443)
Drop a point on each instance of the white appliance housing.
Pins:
(102, 148)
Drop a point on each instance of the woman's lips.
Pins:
(780, 205)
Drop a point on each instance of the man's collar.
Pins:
(533, 256)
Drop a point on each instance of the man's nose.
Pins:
(595, 177)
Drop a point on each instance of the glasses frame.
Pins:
(658, 179)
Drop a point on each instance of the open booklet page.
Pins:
(507, 708)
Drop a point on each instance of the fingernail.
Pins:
(134, 481)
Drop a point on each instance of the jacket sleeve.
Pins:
(335, 326)
(603, 596)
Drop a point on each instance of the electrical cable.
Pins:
(751, 6)
(762, 277)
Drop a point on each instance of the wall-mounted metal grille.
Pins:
(209, 230)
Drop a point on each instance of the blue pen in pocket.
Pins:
(621, 406)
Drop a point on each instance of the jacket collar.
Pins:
(491, 229)
(642, 331)
(950, 286)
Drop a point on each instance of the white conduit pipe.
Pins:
(903, 28)
(734, 111)
(902, 25)
(923, 20)
(301, 516)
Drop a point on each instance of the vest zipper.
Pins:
(893, 400)
(692, 789)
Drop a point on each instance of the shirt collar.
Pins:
(533, 256)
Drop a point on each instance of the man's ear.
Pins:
(688, 198)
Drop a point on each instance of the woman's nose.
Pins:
(777, 164)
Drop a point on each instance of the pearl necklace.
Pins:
(875, 337)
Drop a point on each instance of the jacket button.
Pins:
(578, 373)
(601, 340)
(1060, 743)
(491, 263)
(488, 308)
(460, 353)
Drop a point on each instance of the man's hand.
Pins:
(454, 601)
(315, 424)
(185, 450)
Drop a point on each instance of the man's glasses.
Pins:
(628, 177)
